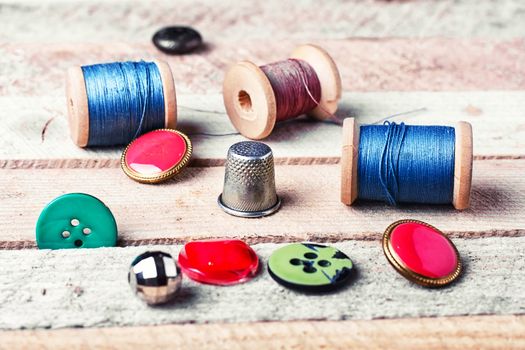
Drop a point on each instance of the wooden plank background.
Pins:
(423, 62)
(90, 289)
(38, 131)
(477, 332)
(186, 207)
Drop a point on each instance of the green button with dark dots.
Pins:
(76, 220)
(310, 267)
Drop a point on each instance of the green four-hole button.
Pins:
(76, 220)
(310, 267)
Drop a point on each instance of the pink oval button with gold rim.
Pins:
(421, 253)
(156, 156)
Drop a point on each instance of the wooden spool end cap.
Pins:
(328, 75)
(170, 95)
(249, 100)
(77, 102)
(349, 156)
(462, 166)
(77, 106)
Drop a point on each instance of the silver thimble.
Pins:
(249, 181)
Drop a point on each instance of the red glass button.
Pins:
(156, 155)
(222, 262)
(421, 253)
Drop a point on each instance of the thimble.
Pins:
(249, 181)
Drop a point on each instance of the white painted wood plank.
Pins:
(186, 207)
(88, 288)
(136, 21)
(497, 117)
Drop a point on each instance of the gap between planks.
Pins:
(363, 236)
(442, 333)
(204, 162)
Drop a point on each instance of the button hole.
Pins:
(309, 269)
(66, 234)
(324, 263)
(78, 243)
(86, 231)
(295, 261)
(310, 255)
(75, 222)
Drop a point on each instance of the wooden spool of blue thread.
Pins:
(77, 102)
(462, 164)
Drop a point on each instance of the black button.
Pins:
(177, 40)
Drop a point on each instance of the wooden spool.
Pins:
(462, 164)
(77, 102)
(250, 101)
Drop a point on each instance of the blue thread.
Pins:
(125, 100)
(400, 163)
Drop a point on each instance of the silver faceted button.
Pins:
(249, 181)
(155, 277)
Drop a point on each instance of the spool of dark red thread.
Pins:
(258, 97)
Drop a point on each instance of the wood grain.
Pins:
(385, 64)
(36, 135)
(186, 207)
(89, 288)
(380, 46)
(460, 333)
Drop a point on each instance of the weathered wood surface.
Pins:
(36, 134)
(387, 64)
(460, 333)
(380, 46)
(135, 21)
(89, 288)
(186, 208)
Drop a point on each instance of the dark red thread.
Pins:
(296, 87)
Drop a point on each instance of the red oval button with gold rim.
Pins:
(421, 253)
(222, 262)
(156, 156)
